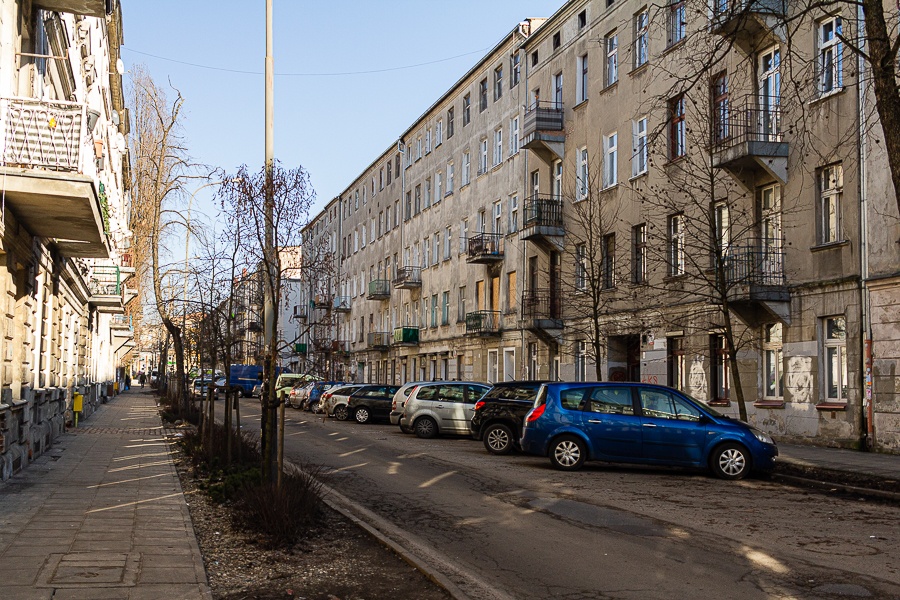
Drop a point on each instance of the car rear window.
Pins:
(509, 392)
(427, 392)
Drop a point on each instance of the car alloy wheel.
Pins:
(426, 428)
(498, 439)
(340, 413)
(730, 461)
(361, 415)
(567, 453)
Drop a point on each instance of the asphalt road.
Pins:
(512, 527)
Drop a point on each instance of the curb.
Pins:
(821, 484)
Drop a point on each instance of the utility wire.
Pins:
(338, 74)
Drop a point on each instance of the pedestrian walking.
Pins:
(127, 381)
(141, 379)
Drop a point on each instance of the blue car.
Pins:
(640, 424)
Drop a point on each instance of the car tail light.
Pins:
(535, 413)
(480, 404)
(394, 405)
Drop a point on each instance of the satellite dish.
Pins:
(120, 66)
(115, 118)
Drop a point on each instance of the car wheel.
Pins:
(340, 413)
(498, 439)
(312, 407)
(730, 461)
(361, 415)
(567, 453)
(425, 428)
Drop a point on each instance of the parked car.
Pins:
(371, 402)
(499, 414)
(334, 400)
(286, 382)
(257, 390)
(299, 393)
(399, 400)
(315, 394)
(641, 424)
(200, 386)
(441, 407)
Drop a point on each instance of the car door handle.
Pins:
(649, 424)
(440, 406)
(595, 421)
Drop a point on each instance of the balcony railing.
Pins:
(408, 277)
(379, 289)
(755, 262)
(105, 281)
(746, 16)
(42, 134)
(341, 303)
(483, 322)
(543, 116)
(484, 248)
(754, 120)
(541, 305)
(406, 336)
(122, 322)
(379, 340)
(543, 211)
(323, 301)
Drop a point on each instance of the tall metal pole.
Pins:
(268, 252)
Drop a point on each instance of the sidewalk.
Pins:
(886, 466)
(101, 515)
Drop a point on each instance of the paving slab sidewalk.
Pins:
(101, 515)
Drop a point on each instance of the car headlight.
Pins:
(763, 437)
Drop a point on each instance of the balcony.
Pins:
(323, 301)
(91, 8)
(41, 145)
(748, 142)
(330, 346)
(106, 289)
(341, 304)
(122, 322)
(543, 224)
(408, 278)
(380, 340)
(484, 248)
(749, 22)
(542, 131)
(485, 323)
(757, 287)
(340, 348)
(300, 312)
(379, 289)
(406, 336)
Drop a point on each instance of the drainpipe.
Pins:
(866, 407)
(523, 60)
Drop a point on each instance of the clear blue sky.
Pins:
(332, 125)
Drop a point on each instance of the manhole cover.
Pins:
(87, 569)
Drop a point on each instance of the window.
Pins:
(582, 19)
(463, 235)
(639, 253)
(641, 27)
(720, 373)
(482, 95)
(497, 225)
(407, 210)
(467, 105)
(498, 147)
(428, 193)
(434, 310)
(557, 40)
(380, 179)
(449, 179)
(439, 133)
(436, 245)
(534, 58)
(639, 156)
(418, 148)
(438, 187)
(511, 297)
(428, 141)
(676, 356)
(831, 188)
(580, 360)
(608, 260)
(417, 208)
(397, 164)
(831, 62)
(676, 22)
(450, 117)
(835, 349)
(466, 169)
(363, 236)
(611, 44)
(721, 108)
(583, 183)
(445, 308)
(447, 236)
(582, 91)
(558, 91)
(513, 213)
(483, 157)
(611, 163)
(515, 70)
(390, 173)
(677, 133)
(657, 404)
(676, 245)
(773, 359)
(722, 230)
(580, 267)
(498, 83)
(426, 255)
(461, 305)
(513, 135)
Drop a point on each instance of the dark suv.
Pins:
(499, 414)
(371, 402)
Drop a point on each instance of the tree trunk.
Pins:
(733, 364)
(178, 345)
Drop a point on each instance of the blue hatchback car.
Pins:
(641, 424)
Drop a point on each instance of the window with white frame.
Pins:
(467, 109)
(426, 256)
(608, 260)
(438, 187)
(581, 93)
(418, 148)
(466, 169)
(676, 356)
(676, 245)
(363, 237)
(497, 224)
(611, 159)
(831, 189)
(449, 178)
(580, 267)
(513, 213)
(676, 21)
(721, 385)
(722, 229)
(483, 157)
(498, 83)
(463, 235)
(498, 147)
(772, 363)
(835, 357)
(831, 61)
(611, 45)
(436, 244)
(483, 95)
(513, 135)
(639, 163)
(515, 70)
(639, 254)
(641, 29)
(450, 117)
(583, 174)
(428, 193)
(447, 237)
(439, 133)
(428, 140)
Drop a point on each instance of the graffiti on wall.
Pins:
(798, 378)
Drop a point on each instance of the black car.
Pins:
(371, 402)
(499, 414)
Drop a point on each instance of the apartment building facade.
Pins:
(65, 222)
(624, 191)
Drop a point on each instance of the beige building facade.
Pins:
(635, 192)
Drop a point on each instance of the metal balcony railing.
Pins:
(753, 120)
(755, 262)
(379, 339)
(543, 116)
(341, 303)
(123, 321)
(323, 301)
(42, 134)
(406, 336)
(379, 289)
(105, 281)
(485, 247)
(483, 322)
(408, 277)
(540, 304)
(543, 211)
